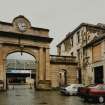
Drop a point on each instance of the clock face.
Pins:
(21, 24)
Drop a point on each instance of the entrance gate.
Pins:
(20, 36)
(19, 68)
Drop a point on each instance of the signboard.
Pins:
(18, 71)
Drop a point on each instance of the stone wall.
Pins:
(71, 74)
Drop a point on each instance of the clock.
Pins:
(21, 24)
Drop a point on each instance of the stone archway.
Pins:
(21, 67)
(20, 36)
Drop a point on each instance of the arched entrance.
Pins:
(20, 36)
(63, 77)
(20, 68)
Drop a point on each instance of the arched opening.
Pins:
(20, 68)
(63, 77)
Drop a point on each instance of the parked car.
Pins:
(83, 90)
(71, 89)
(93, 93)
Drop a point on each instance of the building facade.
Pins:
(96, 59)
(77, 43)
(50, 71)
(20, 36)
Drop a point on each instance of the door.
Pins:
(79, 76)
(63, 78)
(98, 74)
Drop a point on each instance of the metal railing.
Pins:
(62, 59)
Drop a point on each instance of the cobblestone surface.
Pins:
(22, 95)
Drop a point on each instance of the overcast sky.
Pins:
(60, 16)
(17, 55)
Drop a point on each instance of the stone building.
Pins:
(95, 67)
(79, 43)
(20, 36)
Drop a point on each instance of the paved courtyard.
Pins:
(22, 95)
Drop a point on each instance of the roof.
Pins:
(96, 39)
(77, 28)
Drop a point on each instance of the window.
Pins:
(78, 54)
(72, 41)
(71, 53)
(67, 44)
(78, 36)
(96, 53)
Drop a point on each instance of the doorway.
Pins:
(79, 76)
(19, 68)
(98, 74)
(63, 78)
